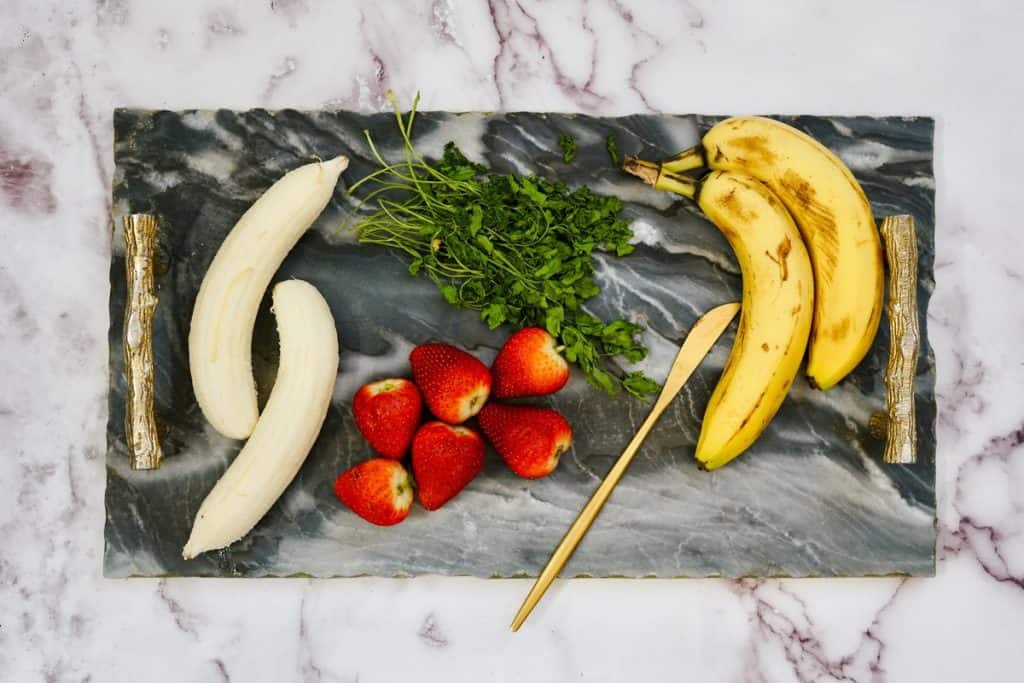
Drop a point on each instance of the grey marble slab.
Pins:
(811, 497)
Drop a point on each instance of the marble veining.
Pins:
(811, 498)
(65, 67)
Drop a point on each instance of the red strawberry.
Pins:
(455, 385)
(387, 413)
(378, 490)
(528, 438)
(444, 460)
(529, 365)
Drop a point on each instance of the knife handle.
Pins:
(586, 517)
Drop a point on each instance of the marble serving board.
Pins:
(810, 498)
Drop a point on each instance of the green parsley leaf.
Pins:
(568, 146)
(638, 384)
(612, 144)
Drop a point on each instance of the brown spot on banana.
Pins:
(782, 251)
(750, 414)
(728, 202)
(817, 222)
(800, 190)
(757, 147)
(779, 257)
(765, 347)
(840, 329)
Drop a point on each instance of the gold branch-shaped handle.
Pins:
(904, 339)
(140, 304)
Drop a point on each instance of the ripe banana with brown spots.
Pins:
(778, 304)
(834, 217)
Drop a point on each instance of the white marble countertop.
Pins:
(65, 66)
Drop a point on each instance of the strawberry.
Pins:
(444, 460)
(529, 365)
(387, 413)
(378, 490)
(455, 385)
(528, 438)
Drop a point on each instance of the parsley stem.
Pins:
(517, 249)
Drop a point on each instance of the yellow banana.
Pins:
(778, 299)
(833, 215)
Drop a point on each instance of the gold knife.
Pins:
(703, 335)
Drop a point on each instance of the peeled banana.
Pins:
(833, 215)
(775, 318)
(220, 338)
(286, 430)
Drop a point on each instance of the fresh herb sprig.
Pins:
(611, 143)
(515, 248)
(567, 144)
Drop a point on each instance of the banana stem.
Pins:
(687, 160)
(644, 170)
(655, 175)
(681, 185)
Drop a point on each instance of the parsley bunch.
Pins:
(515, 248)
